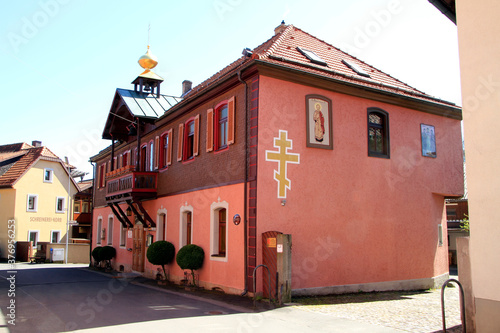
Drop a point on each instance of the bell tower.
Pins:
(148, 82)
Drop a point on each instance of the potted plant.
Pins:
(190, 257)
(161, 253)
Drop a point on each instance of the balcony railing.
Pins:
(127, 181)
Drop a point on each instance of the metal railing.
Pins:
(462, 304)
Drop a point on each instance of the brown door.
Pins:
(269, 258)
(138, 249)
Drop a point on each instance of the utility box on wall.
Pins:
(56, 255)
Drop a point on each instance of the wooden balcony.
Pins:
(125, 182)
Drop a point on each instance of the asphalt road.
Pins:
(59, 298)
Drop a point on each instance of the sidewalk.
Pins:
(398, 311)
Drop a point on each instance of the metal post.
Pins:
(254, 283)
(67, 211)
(462, 304)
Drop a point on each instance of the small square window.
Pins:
(55, 236)
(48, 175)
(32, 203)
(60, 204)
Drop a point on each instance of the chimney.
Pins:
(280, 28)
(186, 86)
(36, 143)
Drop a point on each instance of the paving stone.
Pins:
(414, 311)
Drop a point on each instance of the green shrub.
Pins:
(190, 257)
(96, 254)
(161, 253)
(107, 253)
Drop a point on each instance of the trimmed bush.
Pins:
(161, 253)
(190, 257)
(107, 252)
(96, 254)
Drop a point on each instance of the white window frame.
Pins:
(123, 236)
(183, 225)
(52, 232)
(51, 175)
(99, 230)
(35, 208)
(37, 232)
(63, 205)
(161, 229)
(214, 230)
(111, 220)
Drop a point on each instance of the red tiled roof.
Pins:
(281, 49)
(14, 147)
(21, 164)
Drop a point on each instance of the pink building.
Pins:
(295, 137)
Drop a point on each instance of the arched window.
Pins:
(378, 133)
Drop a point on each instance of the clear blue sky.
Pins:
(61, 60)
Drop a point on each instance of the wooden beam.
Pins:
(117, 215)
(124, 216)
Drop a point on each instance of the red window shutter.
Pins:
(169, 149)
(157, 152)
(180, 142)
(210, 130)
(230, 121)
(196, 144)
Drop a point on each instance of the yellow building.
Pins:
(34, 186)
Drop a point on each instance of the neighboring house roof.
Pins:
(13, 168)
(447, 7)
(84, 185)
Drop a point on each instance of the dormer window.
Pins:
(313, 57)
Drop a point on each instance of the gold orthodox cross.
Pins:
(283, 157)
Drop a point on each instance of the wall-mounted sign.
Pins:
(236, 219)
(45, 219)
(271, 242)
(279, 249)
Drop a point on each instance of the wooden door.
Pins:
(138, 248)
(269, 258)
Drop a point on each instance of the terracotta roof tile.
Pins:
(281, 49)
(12, 169)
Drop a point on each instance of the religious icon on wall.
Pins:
(428, 137)
(319, 122)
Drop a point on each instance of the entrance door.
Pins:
(269, 258)
(138, 248)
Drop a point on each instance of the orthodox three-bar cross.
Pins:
(283, 157)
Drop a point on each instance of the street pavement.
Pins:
(57, 298)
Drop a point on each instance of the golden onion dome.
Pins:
(148, 61)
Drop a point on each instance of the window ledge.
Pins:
(217, 257)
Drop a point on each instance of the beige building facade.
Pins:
(478, 30)
(34, 187)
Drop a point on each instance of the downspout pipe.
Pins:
(245, 190)
(94, 188)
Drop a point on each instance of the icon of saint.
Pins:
(319, 126)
